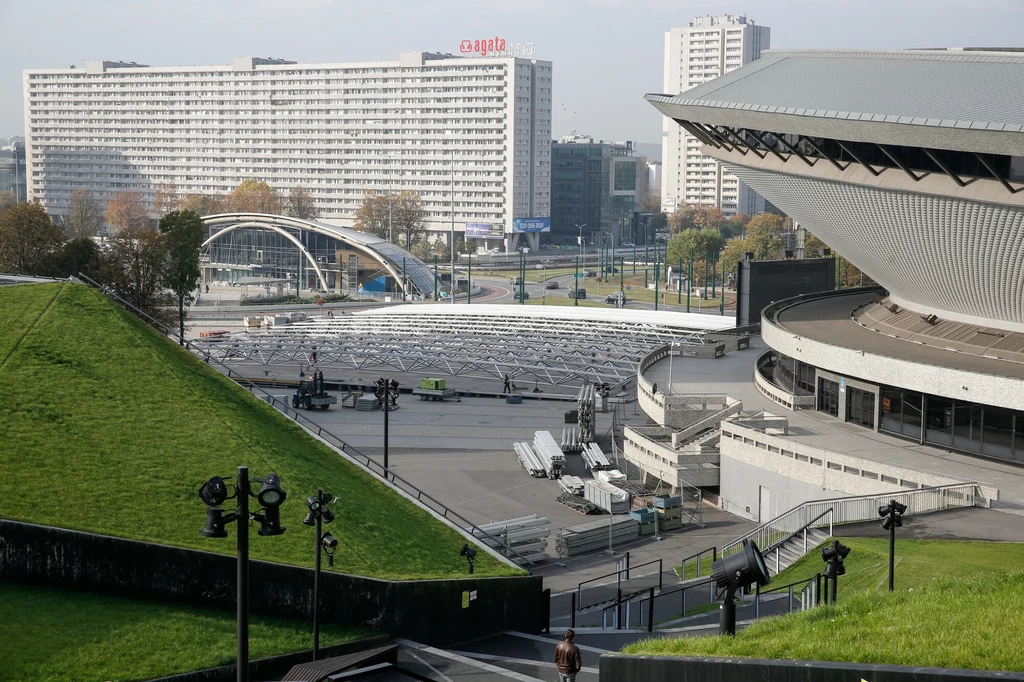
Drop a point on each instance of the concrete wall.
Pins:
(795, 472)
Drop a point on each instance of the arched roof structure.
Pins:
(390, 256)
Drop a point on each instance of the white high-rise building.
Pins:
(708, 48)
(473, 132)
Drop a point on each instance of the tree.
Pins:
(681, 219)
(735, 251)
(85, 219)
(651, 203)
(254, 196)
(203, 205)
(183, 234)
(167, 199)
(705, 217)
(127, 211)
(28, 240)
(702, 242)
(7, 199)
(372, 214)
(408, 216)
(132, 264)
(80, 255)
(764, 231)
(301, 204)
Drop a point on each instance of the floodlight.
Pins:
(310, 519)
(741, 569)
(270, 521)
(467, 551)
(214, 492)
(215, 521)
(271, 494)
(837, 551)
(394, 385)
(899, 508)
(327, 515)
(329, 541)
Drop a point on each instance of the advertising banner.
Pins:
(484, 231)
(520, 225)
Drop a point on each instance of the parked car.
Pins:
(551, 284)
(516, 281)
(627, 245)
(577, 293)
(526, 295)
(611, 268)
(614, 297)
(590, 273)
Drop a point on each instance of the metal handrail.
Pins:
(309, 425)
(617, 573)
(682, 566)
(801, 529)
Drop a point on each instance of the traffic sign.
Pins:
(580, 275)
(629, 288)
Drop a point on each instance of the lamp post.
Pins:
(576, 283)
(582, 244)
(470, 555)
(892, 516)
(319, 514)
(214, 493)
(833, 557)
(387, 395)
(453, 226)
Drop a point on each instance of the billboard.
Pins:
(484, 231)
(520, 225)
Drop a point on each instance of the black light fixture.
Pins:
(214, 493)
(470, 554)
(833, 557)
(892, 518)
(387, 395)
(318, 515)
(734, 572)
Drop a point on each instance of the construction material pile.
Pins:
(597, 534)
(527, 536)
(586, 403)
(594, 459)
(607, 496)
(543, 457)
(572, 440)
(572, 485)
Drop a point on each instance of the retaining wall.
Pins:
(429, 611)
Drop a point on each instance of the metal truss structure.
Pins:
(486, 341)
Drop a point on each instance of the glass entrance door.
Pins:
(860, 407)
(828, 397)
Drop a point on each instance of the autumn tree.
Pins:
(702, 243)
(254, 196)
(735, 250)
(85, 218)
(127, 211)
(203, 205)
(301, 204)
(28, 240)
(764, 232)
(372, 214)
(705, 217)
(7, 199)
(681, 219)
(183, 234)
(167, 199)
(408, 216)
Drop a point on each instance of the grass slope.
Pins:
(53, 635)
(952, 623)
(122, 427)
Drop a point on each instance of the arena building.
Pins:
(910, 165)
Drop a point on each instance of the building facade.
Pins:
(595, 184)
(471, 135)
(704, 50)
(12, 169)
(919, 186)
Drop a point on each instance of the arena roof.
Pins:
(936, 96)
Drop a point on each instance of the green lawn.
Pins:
(952, 623)
(125, 426)
(53, 635)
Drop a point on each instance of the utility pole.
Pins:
(469, 281)
(689, 281)
(453, 225)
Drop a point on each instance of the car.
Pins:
(526, 295)
(551, 284)
(577, 293)
(590, 273)
(627, 245)
(614, 297)
(611, 268)
(516, 281)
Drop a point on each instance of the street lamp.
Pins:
(737, 571)
(319, 514)
(387, 395)
(470, 555)
(834, 556)
(892, 516)
(582, 244)
(270, 497)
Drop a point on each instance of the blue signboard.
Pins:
(520, 225)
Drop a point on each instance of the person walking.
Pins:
(507, 384)
(567, 658)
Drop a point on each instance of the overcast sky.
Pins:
(606, 53)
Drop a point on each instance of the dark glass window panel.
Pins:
(891, 410)
(939, 424)
(967, 427)
(998, 433)
(912, 405)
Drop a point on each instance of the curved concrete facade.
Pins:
(961, 260)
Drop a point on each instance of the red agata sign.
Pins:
(483, 47)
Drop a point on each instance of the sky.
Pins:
(606, 54)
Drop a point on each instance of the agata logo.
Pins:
(483, 47)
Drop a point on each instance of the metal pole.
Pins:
(242, 488)
(435, 276)
(634, 257)
(656, 283)
(689, 281)
(576, 286)
(316, 584)
(714, 275)
(387, 408)
(453, 231)
(727, 617)
(650, 611)
(835, 588)
(892, 552)
(679, 283)
(469, 280)
(721, 307)
(405, 281)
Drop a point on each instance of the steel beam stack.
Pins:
(572, 485)
(549, 452)
(529, 460)
(588, 427)
(527, 536)
(594, 459)
(593, 535)
(571, 440)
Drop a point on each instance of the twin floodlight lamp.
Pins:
(892, 514)
(386, 390)
(470, 554)
(834, 556)
(271, 496)
(318, 511)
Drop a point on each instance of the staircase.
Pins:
(786, 554)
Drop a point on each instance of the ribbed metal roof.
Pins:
(975, 90)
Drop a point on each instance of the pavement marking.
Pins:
(520, 661)
(549, 640)
(432, 668)
(467, 661)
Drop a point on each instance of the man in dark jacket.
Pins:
(567, 658)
